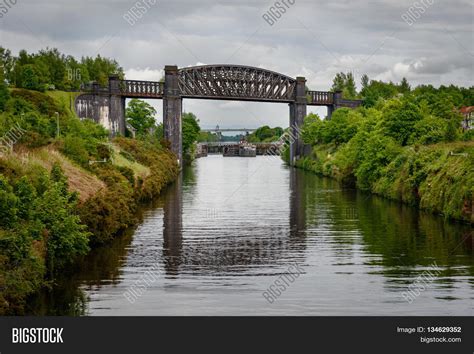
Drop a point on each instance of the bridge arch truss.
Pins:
(235, 82)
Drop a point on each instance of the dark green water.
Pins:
(230, 227)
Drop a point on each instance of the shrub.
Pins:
(399, 119)
(4, 96)
(75, 148)
(8, 204)
(468, 135)
(429, 130)
(66, 237)
(379, 151)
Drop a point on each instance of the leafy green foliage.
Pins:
(30, 78)
(141, 116)
(8, 204)
(50, 69)
(66, 236)
(4, 93)
(339, 129)
(191, 132)
(265, 134)
(43, 226)
(399, 119)
(207, 137)
(402, 145)
(430, 130)
(345, 83)
(378, 152)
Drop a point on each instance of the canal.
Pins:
(229, 228)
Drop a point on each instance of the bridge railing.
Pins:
(350, 103)
(94, 87)
(320, 97)
(135, 88)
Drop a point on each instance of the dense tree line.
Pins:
(265, 134)
(50, 69)
(448, 97)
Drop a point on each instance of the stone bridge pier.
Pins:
(297, 114)
(172, 112)
(105, 106)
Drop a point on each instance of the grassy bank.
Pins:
(62, 193)
(404, 148)
(438, 178)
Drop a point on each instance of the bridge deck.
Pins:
(235, 85)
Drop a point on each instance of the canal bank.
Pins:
(437, 178)
(108, 199)
(65, 188)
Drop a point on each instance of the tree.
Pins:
(141, 116)
(7, 64)
(376, 90)
(429, 130)
(67, 237)
(350, 90)
(364, 81)
(191, 131)
(26, 194)
(338, 82)
(30, 78)
(53, 66)
(345, 83)
(312, 128)
(399, 119)
(405, 86)
(8, 204)
(99, 69)
(4, 93)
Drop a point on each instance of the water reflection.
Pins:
(173, 227)
(215, 242)
(227, 227)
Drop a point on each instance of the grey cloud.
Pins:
(314, 38)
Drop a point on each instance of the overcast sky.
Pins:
(315, 39)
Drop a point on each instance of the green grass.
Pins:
(64, 99)
(138, 169)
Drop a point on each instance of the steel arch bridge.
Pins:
(215, 82)
(228, 82)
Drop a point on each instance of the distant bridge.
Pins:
(219, 146)
(219, 130)
(215, 82)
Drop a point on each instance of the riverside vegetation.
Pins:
(403, 144)
(64, 187)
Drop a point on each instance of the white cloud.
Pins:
(146, 74)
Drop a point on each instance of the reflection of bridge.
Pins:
(240, 250)
(216, 82)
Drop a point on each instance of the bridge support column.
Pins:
(116, 107)
(104, 106)
(172, 111)
(297, 115)
(337, 98)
